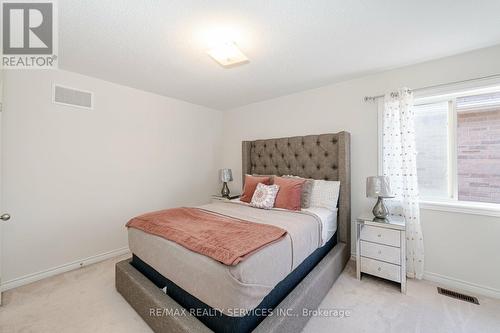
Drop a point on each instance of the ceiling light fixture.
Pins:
(228, 54)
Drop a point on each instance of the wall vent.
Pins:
(459, 296)
(73, 97)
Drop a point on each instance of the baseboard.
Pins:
(20, 281)
(457, 284)
(453, 283)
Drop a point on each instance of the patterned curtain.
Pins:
(400, 165)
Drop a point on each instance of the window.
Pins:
(458, 144)
(431, 131)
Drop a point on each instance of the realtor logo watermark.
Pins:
(29, 34)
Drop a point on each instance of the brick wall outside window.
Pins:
(478, 155)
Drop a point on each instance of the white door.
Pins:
(3, 217)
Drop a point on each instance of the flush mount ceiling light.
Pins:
(228, 54)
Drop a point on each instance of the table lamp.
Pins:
(226, 175)
(379, 187)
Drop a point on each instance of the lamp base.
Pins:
(380, 211)
(225, 190)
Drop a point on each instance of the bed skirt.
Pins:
(165, 315)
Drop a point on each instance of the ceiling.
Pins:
(160, 46)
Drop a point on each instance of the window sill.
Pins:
(475, 208)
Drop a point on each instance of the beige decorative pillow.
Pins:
(264, 196)
(306, 190)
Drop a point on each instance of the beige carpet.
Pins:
(85, 300)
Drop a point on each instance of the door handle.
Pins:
(5, 217)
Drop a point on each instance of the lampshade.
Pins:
(378, 186)
(226, 175)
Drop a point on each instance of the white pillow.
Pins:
(264, 196)
(325, 193)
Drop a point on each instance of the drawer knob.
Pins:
(379, 269)
(379, 235)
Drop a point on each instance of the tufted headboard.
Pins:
(324, 156)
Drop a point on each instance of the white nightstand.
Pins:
(217, 197)
(381, 249)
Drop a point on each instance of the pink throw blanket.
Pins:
(223, 238)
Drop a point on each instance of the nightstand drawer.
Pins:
(381, 252)
(381, 269)
(381, 235)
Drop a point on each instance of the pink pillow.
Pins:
(290, 193)
(250, 185)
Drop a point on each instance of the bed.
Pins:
(286, 276)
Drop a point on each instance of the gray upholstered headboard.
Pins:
(324, 156)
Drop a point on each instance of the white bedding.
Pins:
(328, 221)
(244, 285)
(327, 216)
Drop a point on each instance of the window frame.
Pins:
(450, 94)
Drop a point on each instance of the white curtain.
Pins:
(400, 165)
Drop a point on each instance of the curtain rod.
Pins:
(374, 98)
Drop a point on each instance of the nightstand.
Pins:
(381, 249)
(217, 197)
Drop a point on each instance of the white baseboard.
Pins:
(17, 282)
(457, 284)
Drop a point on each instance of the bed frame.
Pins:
(325, 156)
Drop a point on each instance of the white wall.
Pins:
(458, 247)
(73, 177)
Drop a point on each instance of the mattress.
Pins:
(234, 290)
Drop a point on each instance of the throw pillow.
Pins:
(251, 184)
(264, 196)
